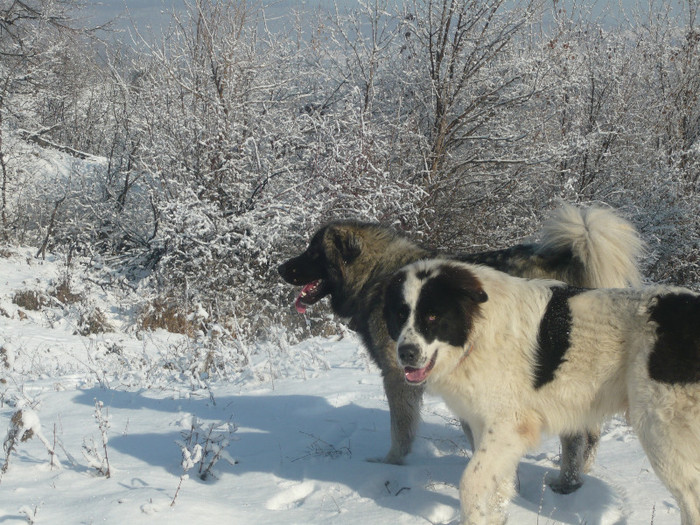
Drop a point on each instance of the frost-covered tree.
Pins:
(246, 141)
(616, 123)
(466, 78)
(40, 95)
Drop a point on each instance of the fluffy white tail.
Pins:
(608, 246)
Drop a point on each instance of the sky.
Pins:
(149, 15)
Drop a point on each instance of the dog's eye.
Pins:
(432, 318)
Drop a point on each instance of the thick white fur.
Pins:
(489, 383)
(607, 244)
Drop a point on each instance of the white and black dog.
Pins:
(516, 358)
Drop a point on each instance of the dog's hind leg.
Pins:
(577, 456)
(404, 411)
(667, 421)
(680, 473)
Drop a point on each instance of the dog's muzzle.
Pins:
(408, 354)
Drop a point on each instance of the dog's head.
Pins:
(319, 268)
(339, 260)
(429, 309)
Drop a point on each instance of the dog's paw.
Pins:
(565, 486)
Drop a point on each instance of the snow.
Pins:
(292, 441)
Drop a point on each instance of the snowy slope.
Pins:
(294, 440)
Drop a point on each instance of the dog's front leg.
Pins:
(404, 411)
(487, 484)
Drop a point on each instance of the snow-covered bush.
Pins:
(25, 425)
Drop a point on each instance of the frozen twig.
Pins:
(190, 457)
(96, 459)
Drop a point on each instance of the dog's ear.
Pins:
(477, 295)
(348, 245)
(467, 283)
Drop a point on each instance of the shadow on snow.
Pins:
(304, 437)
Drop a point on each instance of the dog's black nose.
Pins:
(408, 354)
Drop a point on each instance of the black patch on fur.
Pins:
(396, 311)
(447, 305)
(528, 260)
(675, 358)
(553, 338)
(502, 260)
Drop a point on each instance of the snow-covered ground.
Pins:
(290, 442)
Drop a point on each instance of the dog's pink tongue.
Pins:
(298, 304)
(301, 307)
(416, 375)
